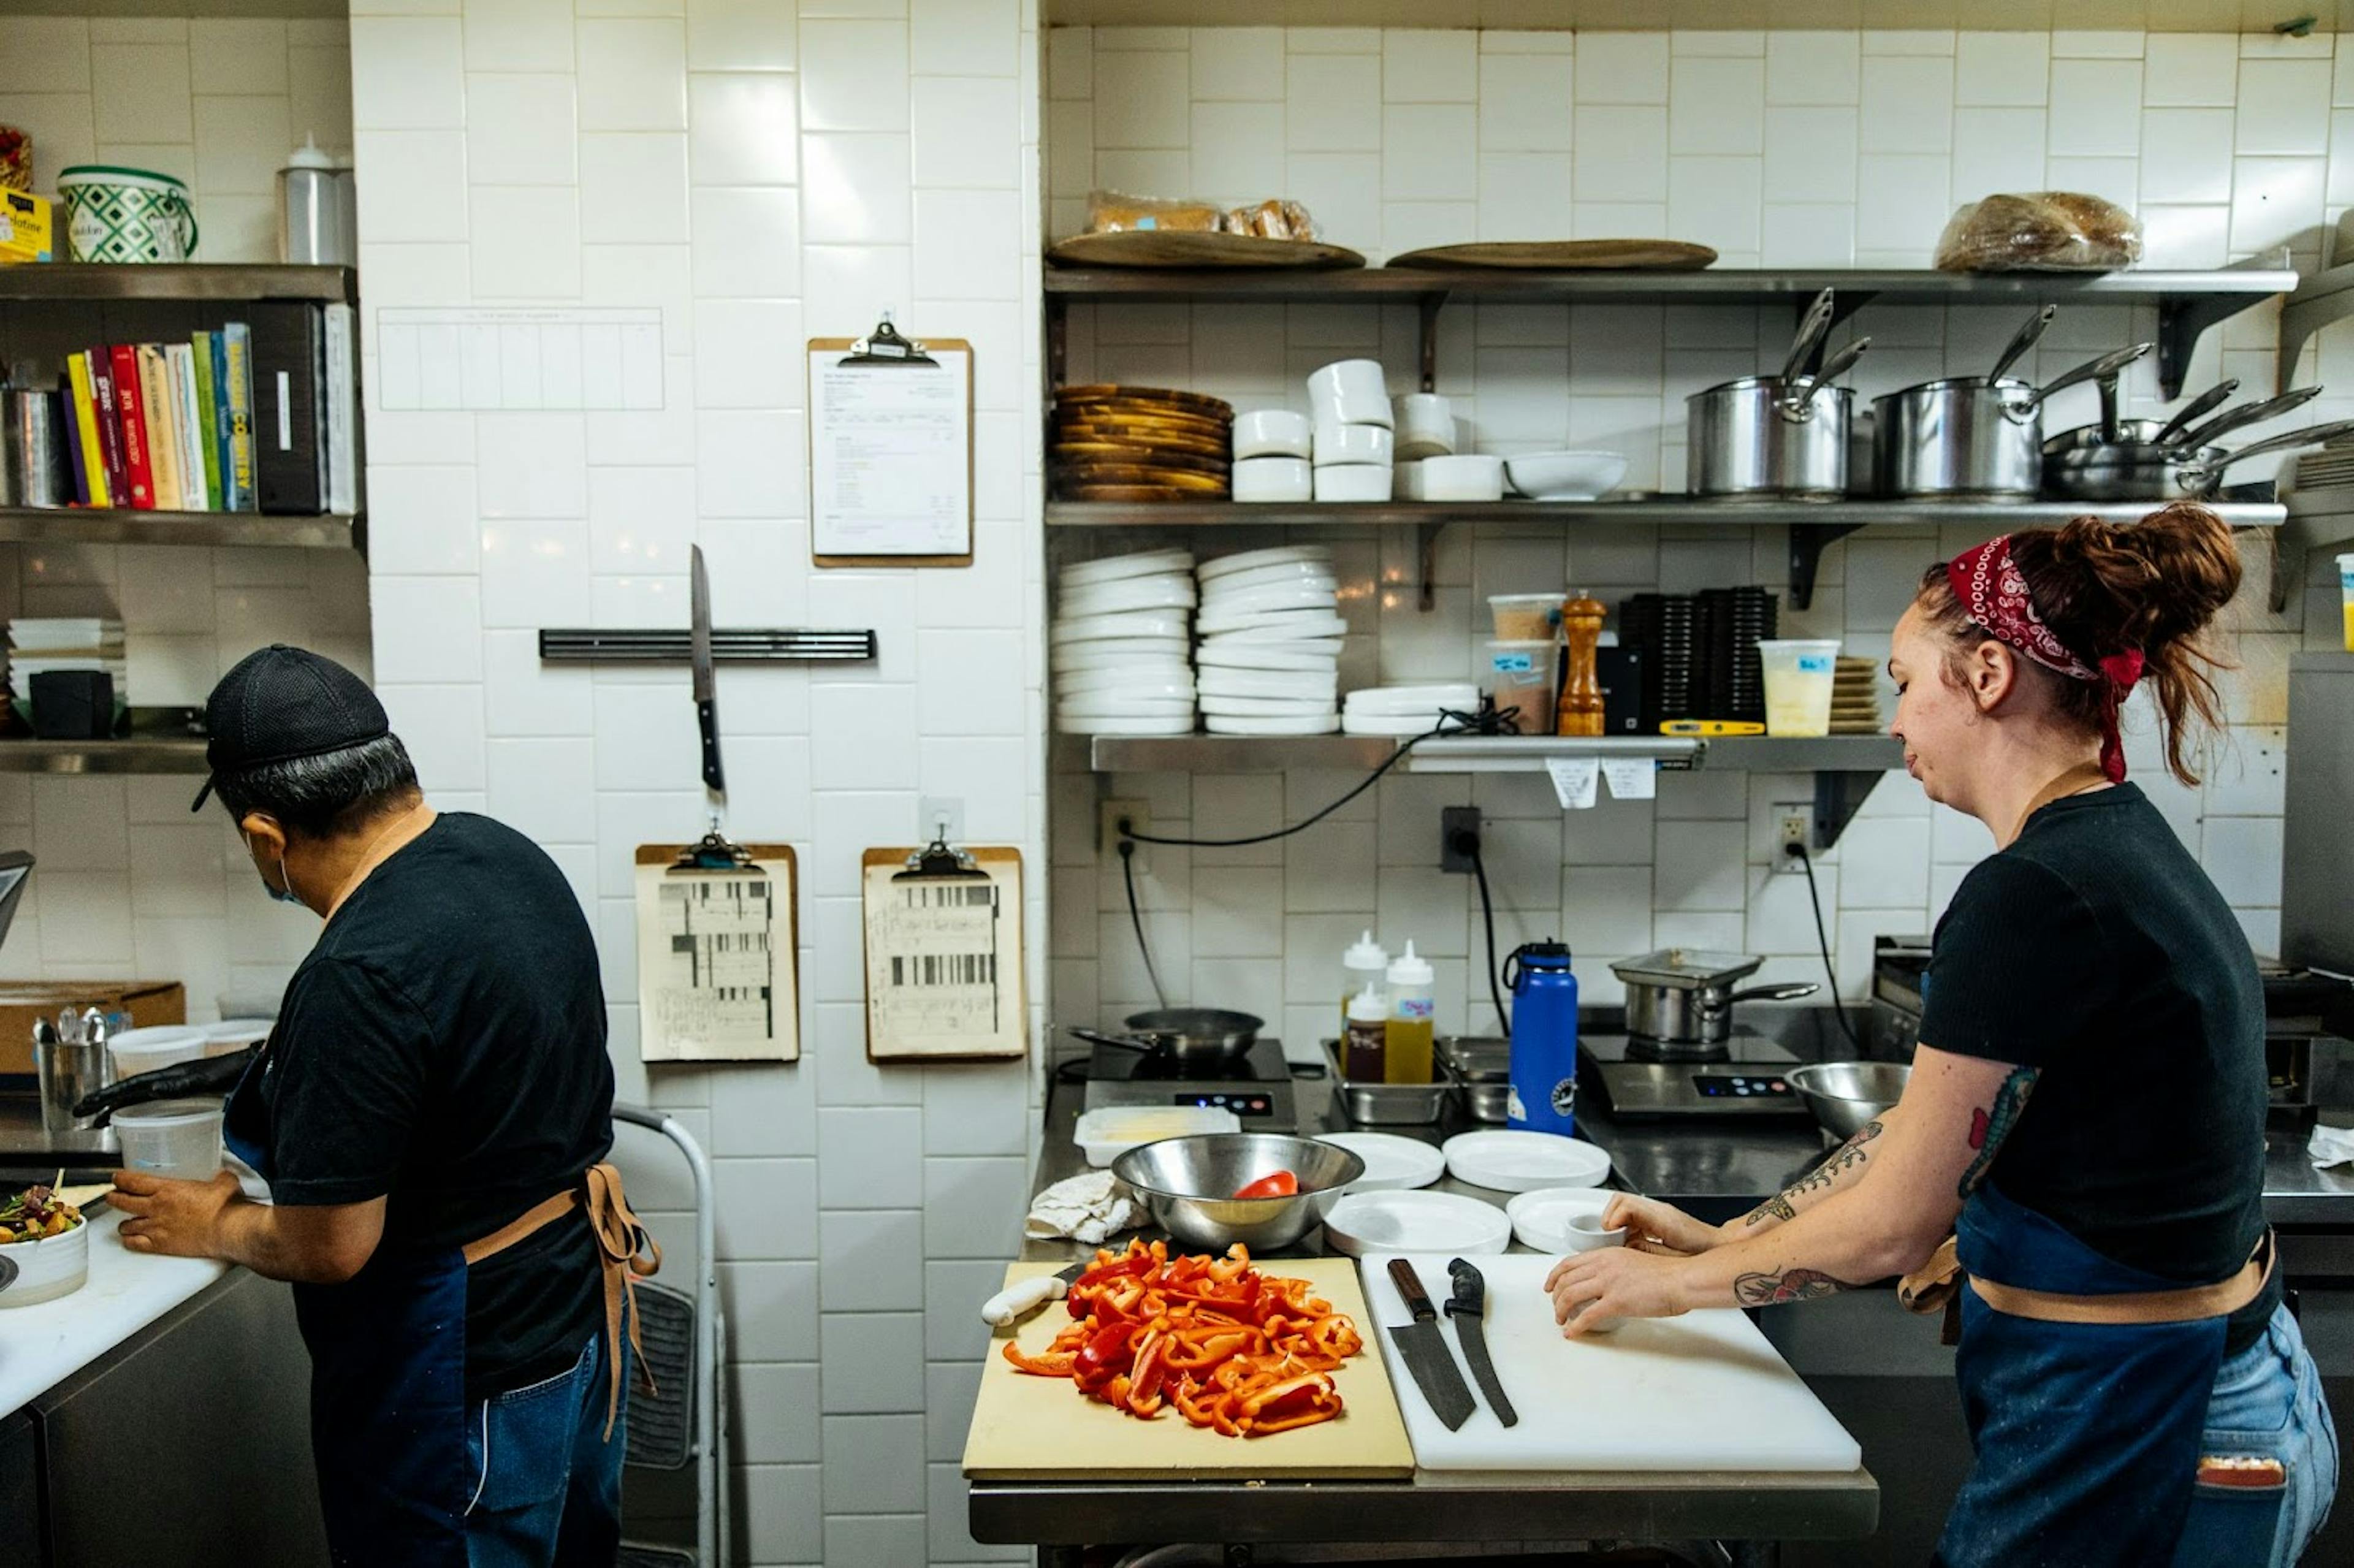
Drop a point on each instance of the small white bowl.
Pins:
(1352, 482)
(1353, 443)
(1566, 476)
(1350, 392)
(1467, 476)
(1265, 479)
(45, 1269)
(1585, 1232)
(1271, 432)
(1426, 425)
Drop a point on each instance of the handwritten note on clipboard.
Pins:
(718, 957)
(890, 454)
(944, 965)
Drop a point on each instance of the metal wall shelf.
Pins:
(59, 281)
(1487, 753)
(85, 525)
(2187, 302)
(137, 755)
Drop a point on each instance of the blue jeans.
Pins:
(550, 1483)
(2267, 1404)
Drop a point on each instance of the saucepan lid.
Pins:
(1685, 969)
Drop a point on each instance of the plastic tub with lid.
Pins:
(179, 1138)
(137, 1051)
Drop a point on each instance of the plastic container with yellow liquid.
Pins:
(1412, 1004)
(2346, 595)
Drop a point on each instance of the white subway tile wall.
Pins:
(1827, 149)
(130, 884)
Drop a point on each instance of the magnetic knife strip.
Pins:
(663, 646)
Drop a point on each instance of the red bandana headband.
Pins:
(1994, 593)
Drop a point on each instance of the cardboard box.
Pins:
(26, 233)
(148, 1003)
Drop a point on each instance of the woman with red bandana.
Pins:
(2086, 1109)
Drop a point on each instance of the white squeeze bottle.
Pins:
(1412, 1002)
(1366, 963)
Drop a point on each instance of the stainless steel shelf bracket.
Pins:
(1808, 543)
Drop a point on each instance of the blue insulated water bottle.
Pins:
(1545, 1038)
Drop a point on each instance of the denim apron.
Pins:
(387, 1385)
(2088, 1436)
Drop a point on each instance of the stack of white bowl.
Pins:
(1269, 658)
(1119, 643)
(1271, 454)
(1404, 710)
(1354, 448)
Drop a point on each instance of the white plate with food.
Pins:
(1393, 1163)
(47, 1239)
(1506, 1162)
(1367, 1223)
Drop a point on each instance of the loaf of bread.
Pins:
(1272, 220)
(1109, 212)
(2040, 231)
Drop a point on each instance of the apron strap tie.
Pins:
(626, 1253)
(1936, 1285)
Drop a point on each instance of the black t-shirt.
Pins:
(443, 1047)
(2097, 950)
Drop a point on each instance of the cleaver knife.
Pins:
(706, 684)
(1424, 1346)
(1469, 1307)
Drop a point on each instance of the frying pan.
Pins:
(2131, 470)
(1194, 1036)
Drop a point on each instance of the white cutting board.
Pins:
(1702, 1391)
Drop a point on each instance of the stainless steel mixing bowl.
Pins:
(1846, 1094)
(1187, 1183)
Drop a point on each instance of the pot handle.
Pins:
(2021, 341)
(1104, 1037)
(1787, 990)
(1797, 399)
(1811, 327)
(2312, 436)
(2092, 370)
(2248, 413)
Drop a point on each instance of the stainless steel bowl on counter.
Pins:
(1187, 1185)
(1846, 1094)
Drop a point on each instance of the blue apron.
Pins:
(2087, 1434)
(387, 1386)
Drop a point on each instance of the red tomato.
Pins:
(1282, 1184)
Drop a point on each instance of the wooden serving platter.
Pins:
(1041, 1428)
(1141, 435)
(1093, 454)
(1175, 248)
(1090, 490)
(1200, 403)
(1564, 255)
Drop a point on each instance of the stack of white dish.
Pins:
(1271, 453)
(1119, 643)
(1269, 657)
(1404, 710)
(1353, 444)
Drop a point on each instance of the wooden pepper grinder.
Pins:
(1579, 710)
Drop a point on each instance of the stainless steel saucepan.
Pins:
(1682, 999)
(1784, 436)
(2143, 470)
(1980, 436)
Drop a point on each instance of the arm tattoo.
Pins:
(1988, 1129)
(1848, 1157)
(1784, 1286)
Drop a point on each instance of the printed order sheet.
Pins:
(890, 457)
(944, 964)
(717, 959)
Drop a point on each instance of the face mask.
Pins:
(284, 892)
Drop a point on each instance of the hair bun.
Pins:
(2111, 587)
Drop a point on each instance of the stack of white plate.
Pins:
(1404, 710)
(1269, 657)
(1119, 643)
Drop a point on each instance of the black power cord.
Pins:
(1136, 919)
(1468, 843)
(1822, 937)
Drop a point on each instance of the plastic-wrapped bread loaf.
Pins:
(2040, 231)
(1109, 212)
(1271, 219)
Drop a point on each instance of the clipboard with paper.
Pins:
(944, 954)
(718, 952)
(890, 461)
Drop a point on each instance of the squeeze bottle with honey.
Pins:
(1412, 1004)
(1364, 1044)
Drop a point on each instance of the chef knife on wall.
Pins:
(1423, 1348)
(1469, 1307)
(706, 684)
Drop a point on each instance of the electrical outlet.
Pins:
(1793, 830)
(1107, 819)
(1453, 821)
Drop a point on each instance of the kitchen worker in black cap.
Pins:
(432, 1112)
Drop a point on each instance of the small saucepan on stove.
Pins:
(1680, 997)
(1192, 1035)
(2133, 470)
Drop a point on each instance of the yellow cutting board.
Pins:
(1044, 1429)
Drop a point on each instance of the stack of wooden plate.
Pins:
(1141, 444)
(1855, 697)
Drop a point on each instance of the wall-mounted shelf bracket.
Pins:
(1807, 542)
(1837, 797)
(1431, 303)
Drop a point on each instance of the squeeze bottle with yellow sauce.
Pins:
(1412, 1004)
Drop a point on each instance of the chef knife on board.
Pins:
(1469, 1307)
(706, 686)
(1424, 1347)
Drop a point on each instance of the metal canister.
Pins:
(32, 448)
(69, 1067)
